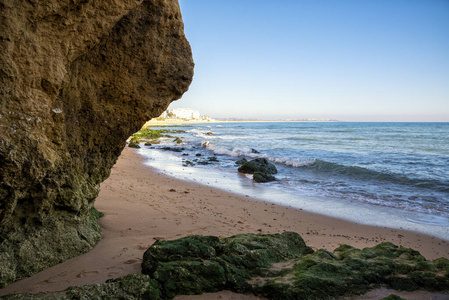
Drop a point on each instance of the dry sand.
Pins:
(142, 206)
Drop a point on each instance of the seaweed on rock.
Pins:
(281, 266)
(275, 266)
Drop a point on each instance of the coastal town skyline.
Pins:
(351, 60)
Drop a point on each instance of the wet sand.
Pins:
(142, 206)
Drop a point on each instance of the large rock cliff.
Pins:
(77, 77)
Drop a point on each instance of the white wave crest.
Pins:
(225, 151)
(294, 162)
(199, 133)
(248, 152)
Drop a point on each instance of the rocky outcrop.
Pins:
(263, 177)
(261, 169)
(77, 78)
(261, 165)
(281, 266)
(275, 266)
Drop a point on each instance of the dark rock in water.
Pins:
(185, 154)
(275, 266)
(198, 154)
(263, 177)
(147, 144)
(133, 145)
(209, 133)
(77, 79)
(241, 161)
(261, 165)
(177, 140)
(204, 162)
(188, 163)
(213, 158)
(172, 149)
(254, 151)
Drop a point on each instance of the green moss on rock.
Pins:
(135, 286)
(275, 266)
(261, 165)
(134, 145)
(263, 177)
(234, 260)
(281, 266)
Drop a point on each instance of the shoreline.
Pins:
(142, 205)
(352, 211)
(183, 122)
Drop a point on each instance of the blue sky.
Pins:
(383, 60)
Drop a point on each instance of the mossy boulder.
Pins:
(275, 266)
(134, 142)
(199, 264)
(241, 161)
(135, 286)
(281, 266)
(134, 145)
(263, 177)
(261, 169)
(261, 165)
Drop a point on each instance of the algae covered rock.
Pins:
(261, 165)
(134, 145)
(262, 169)
(199, 264)
(263, 177)
(134, 142)
(77, 78)
(281, 266)
(241, 161)
(135, 286)
(275, 266)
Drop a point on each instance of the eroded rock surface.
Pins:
(261, 169)
(281, 266)
(76, 79)
(275, 266)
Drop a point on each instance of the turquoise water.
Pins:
(397, 172)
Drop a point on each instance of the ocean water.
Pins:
(384, 174)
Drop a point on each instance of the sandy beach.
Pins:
(141, 206)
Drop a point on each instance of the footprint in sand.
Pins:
(86, 273)
(131, 261)
(143, 247)
(51, 280)
(114, 274)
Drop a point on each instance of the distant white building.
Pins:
(184, 113)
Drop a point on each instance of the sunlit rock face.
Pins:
(77, 77)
